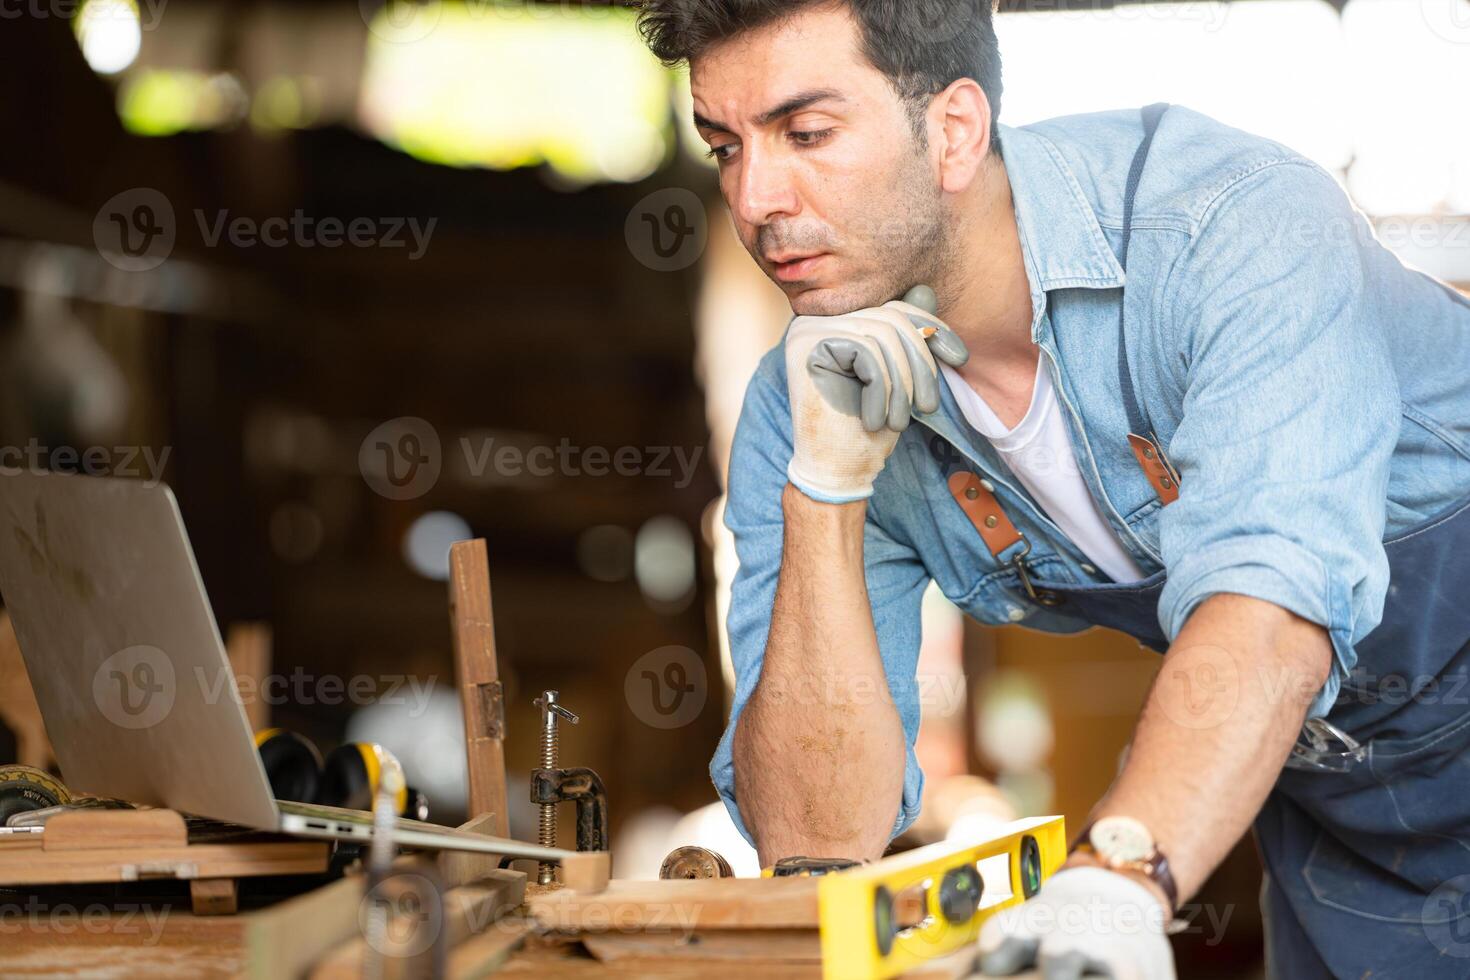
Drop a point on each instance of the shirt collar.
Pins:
(1061, 240)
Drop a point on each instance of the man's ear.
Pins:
(959, 127)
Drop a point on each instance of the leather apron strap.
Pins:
(976, 496)
(1141, 438)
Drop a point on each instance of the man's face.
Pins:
(829, 189)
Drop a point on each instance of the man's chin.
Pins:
(808, 299)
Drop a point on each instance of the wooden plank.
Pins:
(563, 957)
(286, 939)
(744, 945)
(463, 867)
(586, 872)
(89, 956)
(87, 830)
(560, 956)
(249, 648)
(467, 911)
(128, 845)
(713, 903)
(214, 896)
(486, 953)
(472, 626)
(39, 867)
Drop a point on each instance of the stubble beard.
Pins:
(904, 246)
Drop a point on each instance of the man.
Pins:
(1173, 386)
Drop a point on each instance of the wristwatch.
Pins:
(1125, 844)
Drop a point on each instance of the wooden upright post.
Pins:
(473, 627)
(249, 648)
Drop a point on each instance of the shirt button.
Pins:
(1088, 569)
(1016, 614)
(989, 487)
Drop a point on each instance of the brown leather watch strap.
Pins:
(1163, 876)
(984, 511)
(1157, 867)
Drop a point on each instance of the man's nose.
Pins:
(766, 189)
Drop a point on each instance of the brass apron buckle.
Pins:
(1044, 597)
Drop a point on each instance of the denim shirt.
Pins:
(1313, 393)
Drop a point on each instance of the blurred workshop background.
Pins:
(361, 281)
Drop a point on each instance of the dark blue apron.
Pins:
(1366, 836)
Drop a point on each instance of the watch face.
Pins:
(1121, 839)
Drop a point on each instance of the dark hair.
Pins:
(922, 46)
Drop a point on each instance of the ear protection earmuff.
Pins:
(349, 776)
(292, 764)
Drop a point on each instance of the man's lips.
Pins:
(794, 268)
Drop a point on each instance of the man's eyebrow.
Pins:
(798, 102)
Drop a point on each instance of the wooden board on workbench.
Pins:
(718, 945)
(467, 911)
(126, 845)
(564, 957)
(159, 939)
(715, 903)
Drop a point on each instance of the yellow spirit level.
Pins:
(865, 931)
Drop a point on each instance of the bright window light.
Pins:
(1273, 67)
(503, 86)
(1408, 94)
(110, 34)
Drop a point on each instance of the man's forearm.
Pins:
(819, 747)
(1219, 722)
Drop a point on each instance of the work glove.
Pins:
(1083, 922)
(854, 382)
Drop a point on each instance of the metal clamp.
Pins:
(1318, 754)
(1041, 597)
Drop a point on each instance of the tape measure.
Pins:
(881, 919)
(805, 867)
(26, 788)
(694, 862)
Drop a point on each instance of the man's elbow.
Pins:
(1300, 647)
(1273, 640)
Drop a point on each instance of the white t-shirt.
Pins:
(1039, 451)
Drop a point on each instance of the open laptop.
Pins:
(129, 669)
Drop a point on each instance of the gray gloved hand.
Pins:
(1084, 922)
(855, 382)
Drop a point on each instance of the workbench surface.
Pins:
(70, 950)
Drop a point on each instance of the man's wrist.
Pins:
(795, 501)
(1087, 859)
